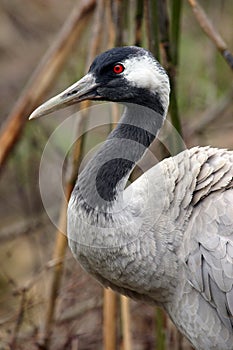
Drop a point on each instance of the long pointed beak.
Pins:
(84, 89)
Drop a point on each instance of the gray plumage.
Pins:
(167, 238)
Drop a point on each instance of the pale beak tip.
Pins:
(35, 114)
(32, 116)
(43, 109)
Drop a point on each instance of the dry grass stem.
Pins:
(110, 316)
(126, 322)
(43, 77)
(211, 31)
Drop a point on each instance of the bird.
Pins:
(166, 238)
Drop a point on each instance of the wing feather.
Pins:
(210, 264)
(208, 241)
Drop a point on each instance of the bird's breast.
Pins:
(122, 252)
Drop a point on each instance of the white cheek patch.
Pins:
(143, 72)
(144, 78)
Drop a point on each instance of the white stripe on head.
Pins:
(145, 72)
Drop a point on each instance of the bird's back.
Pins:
(200, 190)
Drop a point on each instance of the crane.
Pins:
(167, 238)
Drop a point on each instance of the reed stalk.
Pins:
(44, 77)
(211, 31)
(126, 322)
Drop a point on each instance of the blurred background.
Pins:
(46, 300)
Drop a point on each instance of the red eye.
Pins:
(118, 68)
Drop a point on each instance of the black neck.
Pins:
(104, 178)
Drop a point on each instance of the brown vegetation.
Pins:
(46, 300)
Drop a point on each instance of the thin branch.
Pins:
(125, 316)
(43, 77)
(211, 31)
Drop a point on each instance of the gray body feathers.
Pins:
(172, 244)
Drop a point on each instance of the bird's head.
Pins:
(127, 74)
